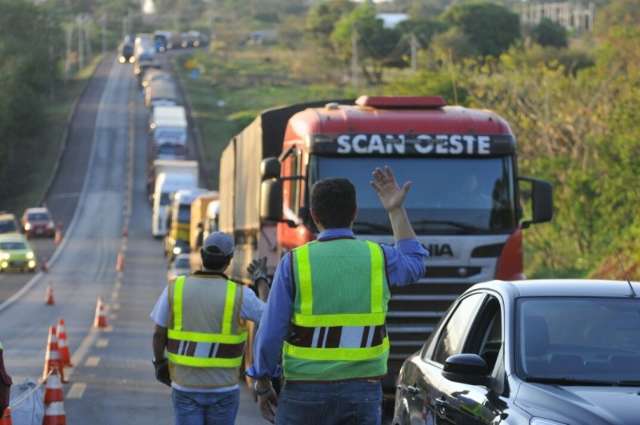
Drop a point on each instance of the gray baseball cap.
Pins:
(218, 242)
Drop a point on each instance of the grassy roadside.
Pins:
(232, 89)
(40, 166)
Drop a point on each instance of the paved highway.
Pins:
(112, 382)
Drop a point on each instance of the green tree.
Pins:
(322, 18)
(490, 28)
(549, 33)
(375, 43)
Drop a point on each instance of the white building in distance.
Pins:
(573, 16)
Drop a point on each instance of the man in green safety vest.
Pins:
(200, 324)
(325, 317)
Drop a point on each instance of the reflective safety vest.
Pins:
(206, 336)
(337, 329)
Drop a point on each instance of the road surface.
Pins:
(112, 382)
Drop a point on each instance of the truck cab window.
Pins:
(295, 167)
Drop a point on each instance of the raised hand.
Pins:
(391, 195)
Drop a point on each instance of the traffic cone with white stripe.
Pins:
(63, 344)
(100, 320)
(49, 300)
(6, 417)
(54, 401)
(52, 360)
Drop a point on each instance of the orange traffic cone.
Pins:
(63, 344)
(58, 235)
(52, 360)
(54, 401)
(101, 315)
(6, 417)
(49, 297)
(120, 262)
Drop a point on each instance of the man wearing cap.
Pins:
(200, 323)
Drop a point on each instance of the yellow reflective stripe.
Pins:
(355, 319)
(227, 318)
(377, 279)
(205, 337)
(204, 362)
(304, 275)
(337, 354)
(178, 290)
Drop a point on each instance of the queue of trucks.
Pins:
(468, 205)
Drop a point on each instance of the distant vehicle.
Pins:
(161, 92)
(471, 221)
(161, 40)
(211, 220)
(169, 166)
(16, 254)
(175, 41)
(166, 184)
(178, 239)
(168, 130)
(181, 266)
(153, 75)
(199, 209)
(8, 223)
(141, 68)
(144, 48)
(546, 352)
(126, 52)
(38, 222)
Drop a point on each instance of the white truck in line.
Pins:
(170, 178)
(168, 129)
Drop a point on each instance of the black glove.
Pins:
(258, 269)
(162, 371)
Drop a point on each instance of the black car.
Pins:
(545, 352)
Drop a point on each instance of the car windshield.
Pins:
(7, 226)
(579, 340)
(12, 246)
(38, 217)
(449, 195)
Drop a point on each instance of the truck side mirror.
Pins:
(541, 201)
(270, 168)
(271, 200)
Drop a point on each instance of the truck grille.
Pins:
(414, 312)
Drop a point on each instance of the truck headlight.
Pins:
(4, 265)
(32, 264)
(4, 256)
(177, 250)
(30, 255)
(50, 225)
(27, 226)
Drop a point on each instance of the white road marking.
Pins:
(114, 294)
(118, 285)
(114, 316)
(102, 343)
(83, 349)
(115, 306)
(76, 391)
(92, 361)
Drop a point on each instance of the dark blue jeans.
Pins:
(205, 408)
(342, 403)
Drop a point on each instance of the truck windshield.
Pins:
(184, 213)
(170, 135)
(448, 196)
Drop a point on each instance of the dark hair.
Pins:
(213, 259)
(333, 202)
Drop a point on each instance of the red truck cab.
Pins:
(465, 203)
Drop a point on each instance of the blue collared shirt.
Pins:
(405, 265)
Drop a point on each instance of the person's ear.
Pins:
(314, 217)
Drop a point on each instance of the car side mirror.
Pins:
(466, 369)
(270, 168)
(541, 201)
(271, 200)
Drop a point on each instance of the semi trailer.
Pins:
(465, 204)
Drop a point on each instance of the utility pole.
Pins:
(68, 39)
(104, 34)
(80, 45)
(355, 66)
(414, 53)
